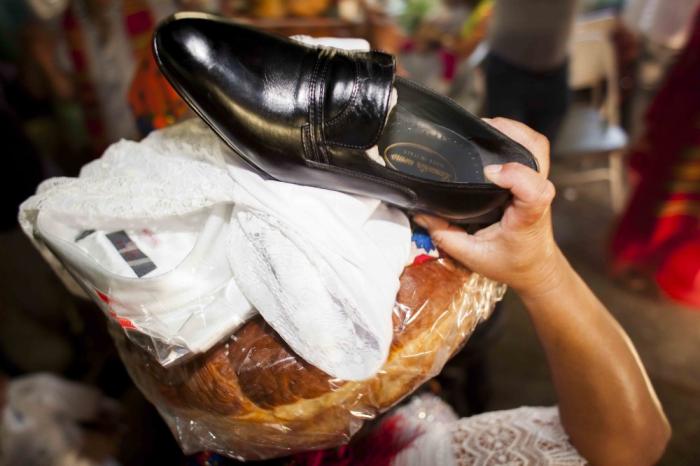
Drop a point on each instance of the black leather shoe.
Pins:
(307, 115)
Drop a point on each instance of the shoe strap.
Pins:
(362, 115)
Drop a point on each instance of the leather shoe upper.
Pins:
(306, 115)
(334, 98)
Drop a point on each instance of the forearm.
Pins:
(607, 404)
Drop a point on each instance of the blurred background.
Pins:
(612, 83)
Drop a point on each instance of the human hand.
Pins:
(519, 250)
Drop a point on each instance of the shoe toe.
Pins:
(181, 46)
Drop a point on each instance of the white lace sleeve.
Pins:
(523, 436)
(515, 437)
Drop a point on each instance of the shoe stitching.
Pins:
(350, 146)
(320, 114)
(311, 97)
(304, 137)
(385, 104)
(345, 113)
(380, 130)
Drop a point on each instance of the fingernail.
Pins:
(492, 169)
(421, 220)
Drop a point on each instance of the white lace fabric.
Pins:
(515, 437)
(527, 436)
(322, 267)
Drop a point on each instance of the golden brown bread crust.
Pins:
(258, 346)
(256, 399)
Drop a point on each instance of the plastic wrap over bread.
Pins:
(250, 397)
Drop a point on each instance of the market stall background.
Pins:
(77, 75)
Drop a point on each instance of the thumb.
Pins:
(451, 239)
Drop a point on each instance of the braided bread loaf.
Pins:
(251, 397)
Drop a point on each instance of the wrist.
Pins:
(548, 279)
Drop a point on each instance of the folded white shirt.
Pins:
(168, 282)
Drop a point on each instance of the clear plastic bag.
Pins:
(151, 247)
(180, 243)
(250, 397)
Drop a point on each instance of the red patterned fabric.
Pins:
(662, 222)
(139, 25)
(379, 448)
(153, 101)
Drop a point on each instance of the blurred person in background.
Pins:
(662, 22)
(65, 71)
(662, 29)
(34, 334)
(36, 88)
(441, 37)
(658, 236)
(104, 40)
(458, 25)
(526, 69)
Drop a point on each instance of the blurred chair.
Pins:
(591, 129)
